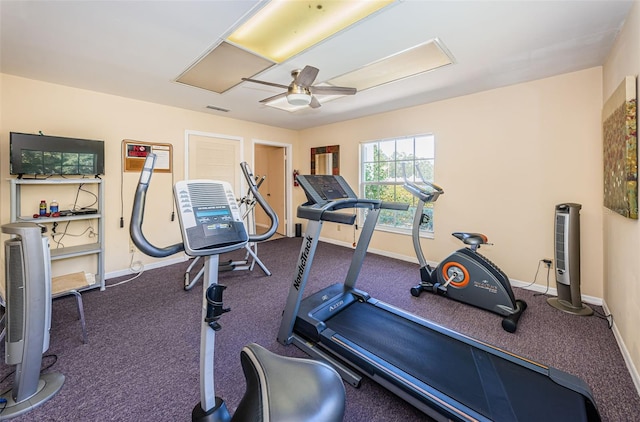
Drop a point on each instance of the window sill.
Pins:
(407, 232)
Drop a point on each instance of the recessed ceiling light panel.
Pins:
(413, 61)
(284, 28)
(222, 68)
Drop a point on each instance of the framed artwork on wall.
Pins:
(620, 149)
(325, 160)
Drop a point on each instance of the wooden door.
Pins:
(270, 161)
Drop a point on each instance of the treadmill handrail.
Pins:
(327, 212)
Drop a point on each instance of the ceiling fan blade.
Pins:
(275, 97)
(266, 83)
(332, 90)
(314, 102)
(306, 76)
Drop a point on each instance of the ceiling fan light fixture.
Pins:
(299, 99)
(283, 104)
(301, 92)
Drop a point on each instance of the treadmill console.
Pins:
(209, 217)
(321, 189)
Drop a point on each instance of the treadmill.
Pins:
(447, 375)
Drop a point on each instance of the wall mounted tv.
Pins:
(54, 155)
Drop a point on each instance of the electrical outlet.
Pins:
(91, 278)
(132, 247)
(339, 227)
(548, 262)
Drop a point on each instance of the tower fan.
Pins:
(567, 252)
(28, 318)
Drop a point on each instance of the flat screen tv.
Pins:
(54, 155)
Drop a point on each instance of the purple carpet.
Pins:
(141, 361)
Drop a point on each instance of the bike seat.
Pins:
(281, 388)
(471, 238)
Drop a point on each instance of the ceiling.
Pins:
(137, 49)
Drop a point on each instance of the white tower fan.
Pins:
(28, 318)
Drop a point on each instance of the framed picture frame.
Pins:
(620, 150)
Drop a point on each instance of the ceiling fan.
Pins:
(301, 91)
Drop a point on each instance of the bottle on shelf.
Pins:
(53, 207)
(43, 207)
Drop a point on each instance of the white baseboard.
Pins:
(158, 264)
(516, 283)
(592, 300)
(372, 250)
(635, 376)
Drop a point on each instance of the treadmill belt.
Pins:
(492, 386)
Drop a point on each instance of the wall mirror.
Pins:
(325, 160)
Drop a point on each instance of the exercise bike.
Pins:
(465, 275)
(278, 388)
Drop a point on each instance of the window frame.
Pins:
(402, 220)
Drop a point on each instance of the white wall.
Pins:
(31, 106)
(621, 238)
(505, 159)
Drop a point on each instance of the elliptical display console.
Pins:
(205, 223)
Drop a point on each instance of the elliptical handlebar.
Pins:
(137, 215)
(273, 217)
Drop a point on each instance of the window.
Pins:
(382, 177)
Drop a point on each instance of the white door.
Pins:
(215, 157)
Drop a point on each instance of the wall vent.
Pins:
(224, 110)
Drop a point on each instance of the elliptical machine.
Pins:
(251, 256)
(465, 275)
(278, 388)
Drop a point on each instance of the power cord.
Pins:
(606, 317)
(58, 240)
(136, 267)
(546, 262)
(3, 401)
(81, 189)
(53, 355)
